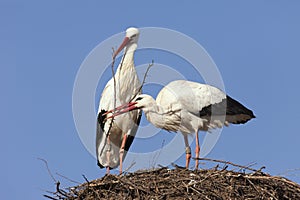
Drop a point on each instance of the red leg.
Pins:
(197, 150)
(188, 157)
(108, 156)
(122, 152)
(187, 151)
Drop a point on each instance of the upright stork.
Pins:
(189, 107)
(114, 138)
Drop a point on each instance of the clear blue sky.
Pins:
(255, 45)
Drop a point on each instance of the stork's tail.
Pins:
(236, 113)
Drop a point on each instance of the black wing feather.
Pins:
(130, 138)
(100, 130)
(233, 108)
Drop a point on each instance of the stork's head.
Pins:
(142, 101)
(131, 38)
(133, 34)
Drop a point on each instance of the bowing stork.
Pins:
(189, 107)
(114, 138)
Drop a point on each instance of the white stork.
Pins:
(113, 139)
(189, 107)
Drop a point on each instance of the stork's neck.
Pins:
(155, 114)
(127, 82)
(127, 60)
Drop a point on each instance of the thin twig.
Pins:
(62, 192)
(46, 163)
(85, 178)
(252, 185)
(133, 185)
(50, 197)
(128, 168)
(177, 166)
(115, 95)
(227, 162)
(144, 80)
(115, 85)
(287, 172)
(276, 178)
(114, 77)
(248, 165)
(158, 153)
(68, 178)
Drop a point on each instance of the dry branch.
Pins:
(230, 163)
(144, 80)
(48, 169)
(115, 90)
(178, 183)
(67, 178)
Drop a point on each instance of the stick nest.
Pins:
(179, 183)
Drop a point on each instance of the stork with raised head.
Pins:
(114, 138)
(189, 107)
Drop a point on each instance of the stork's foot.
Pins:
(188, 157)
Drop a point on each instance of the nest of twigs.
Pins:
(180, 183)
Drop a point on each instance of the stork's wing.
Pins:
(236, 113)
(100, 137)
(192, 96)
(204, 101)
(116, 136)
(100, 133)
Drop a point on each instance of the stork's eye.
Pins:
(133, 36)
(139, 98)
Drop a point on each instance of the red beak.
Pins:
(117, 109)
(122, 109)
(124, 43)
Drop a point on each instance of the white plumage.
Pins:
(188, 107)
(115, 137)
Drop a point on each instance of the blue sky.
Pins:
(255, 45)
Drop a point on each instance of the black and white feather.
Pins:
(190, 106)
(127, 85)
